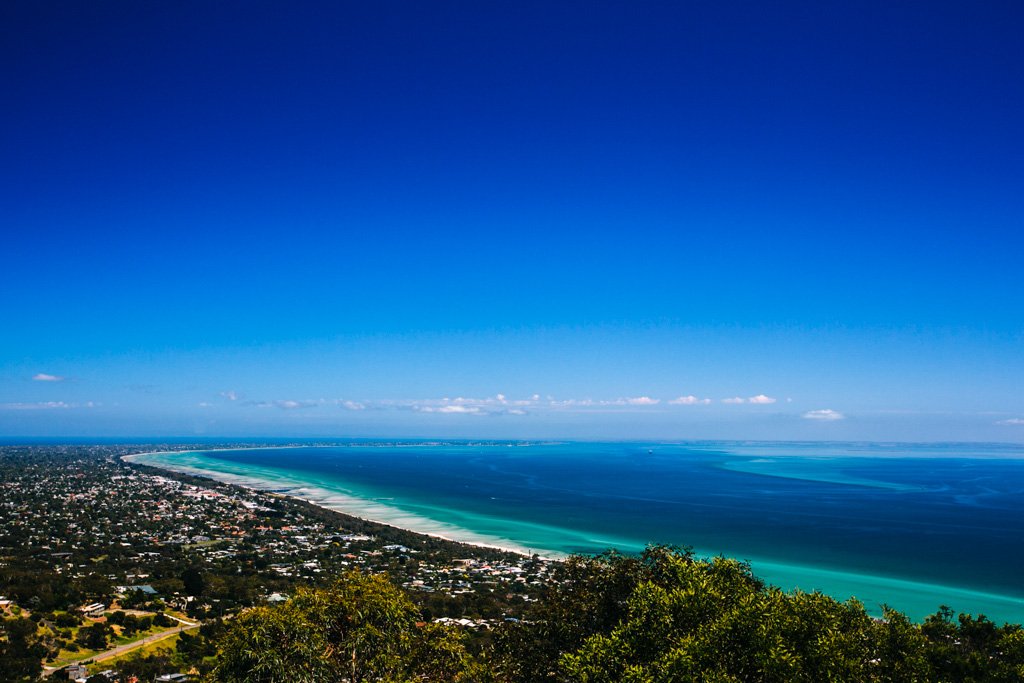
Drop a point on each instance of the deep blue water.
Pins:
(946, 516)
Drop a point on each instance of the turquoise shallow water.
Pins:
(906, 525)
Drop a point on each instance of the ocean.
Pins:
(908, 525)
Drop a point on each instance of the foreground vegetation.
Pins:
(662, 617)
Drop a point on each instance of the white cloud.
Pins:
(825, 415)
(41, 405)
(643, 401)
(455, 408)
(459, 408)
(499, 404)
(283, 404)
(44, 377)
(570, 402)
(230, 395)
(1012, 421)
(591, 403)
(503, 404)
(205, 404)
(292, 405)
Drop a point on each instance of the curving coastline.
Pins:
(915, 598)
(368, 509)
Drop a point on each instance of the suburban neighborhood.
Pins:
(120, 572)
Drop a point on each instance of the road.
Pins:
(134, 645)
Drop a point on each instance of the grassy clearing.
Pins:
(166, 646)
(66, 656)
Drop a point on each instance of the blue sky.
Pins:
(513, 220)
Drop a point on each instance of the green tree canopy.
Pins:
(667, 617)
(19, 650)
(661, 617)
(362, 628)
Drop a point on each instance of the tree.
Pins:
(273, 645)
(94, 636)
(193, 582)
(1010, 661)
(67, 620)
(130, 624)
(668, 617)
(144, 668)
(362, 626)
(590, 596)
(900, 649)
(20, 653)
(134, 599)
(661, 617)
(440, 655)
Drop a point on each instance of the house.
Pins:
(172, 678)
(93, 610)
(77, 672)
(148, 590)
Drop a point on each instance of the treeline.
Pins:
(662, 617)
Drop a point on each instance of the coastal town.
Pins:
(112, 571)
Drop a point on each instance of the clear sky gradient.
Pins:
(558, 219)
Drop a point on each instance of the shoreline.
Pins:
(356, 507)
(836, 582)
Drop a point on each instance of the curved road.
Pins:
(128, 647)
